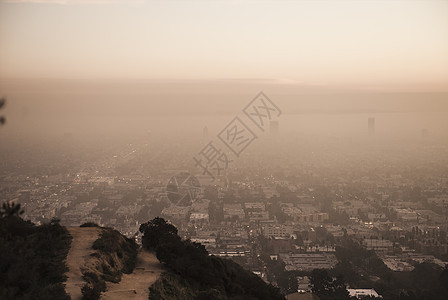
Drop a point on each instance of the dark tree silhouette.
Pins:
(2, 103)
(10, 209)
(156, 232)
(29, 267)
(326, 287)
(194, 274)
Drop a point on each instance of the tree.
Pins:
(156, 232)
(10, 209)
(2, 103)
(10, 221)
(29, 268)
(443, 279)
(197, 275)
(326, 287)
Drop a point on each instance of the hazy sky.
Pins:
(368, 43)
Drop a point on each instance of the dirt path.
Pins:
(81, 249)
(136, 285)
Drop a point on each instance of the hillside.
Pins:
(80, 250)
(32, 258)
(110, 256)
(101, 260)
(194, 274)
(53, 262)
(135, 285)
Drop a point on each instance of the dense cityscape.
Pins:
(279, 220)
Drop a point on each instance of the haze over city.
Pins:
(81, 62)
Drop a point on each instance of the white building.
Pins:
(363, 293)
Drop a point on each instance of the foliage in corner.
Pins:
(29, 268)
(2, 103)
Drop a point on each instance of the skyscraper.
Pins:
(371, 125)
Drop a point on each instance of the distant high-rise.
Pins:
(425, 133)
(273, 127)
(371, 126)
(205, 133)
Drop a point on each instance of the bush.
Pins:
(109, 244)
(157, 232)
(89, 224)
(111, 275)
(111, 241)
(196, 275)
(94, 286)
(29, 268)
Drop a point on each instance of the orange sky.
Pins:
(376, 44)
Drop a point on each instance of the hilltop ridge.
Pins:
(50, 261)
(80, 249)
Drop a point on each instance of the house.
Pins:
(363, 293)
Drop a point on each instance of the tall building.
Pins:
(425, 133)
(371, 126)
(273, 127)
(205, 133)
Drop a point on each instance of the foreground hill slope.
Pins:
(104, 254)
(53, 262)
(32, 258)
(194, 274)
(80, 251)
(135, 285)
(98, 257)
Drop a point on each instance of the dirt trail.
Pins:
(136, 285)
(81, 249)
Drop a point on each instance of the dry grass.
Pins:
(136, 285)
(77, 258)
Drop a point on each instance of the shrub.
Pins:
(94, 286)
(89, 224)
(29, 268)
(196, 275)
